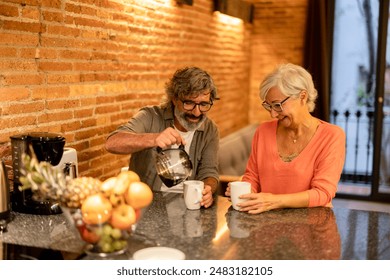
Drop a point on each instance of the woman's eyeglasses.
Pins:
(277, 106)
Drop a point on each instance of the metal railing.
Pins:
(358, 126)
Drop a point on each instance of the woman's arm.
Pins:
(328, 168)
(262, 202)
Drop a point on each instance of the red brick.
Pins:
(19, 122)
(28, 107)
(54, 66)
(14, 94)
(85, 134)
(62, 104)
(52, 16)
(71, 126)
(7, 52)
(51, 3)
(47, 93)
(21, 79)
(15, 40)
(48, 53)
(62, 78)
(27, 53)
(32, 27)
(30, 12)
(63, 31)
(83, 113)
(8, 10)
(48, 117)
(17, 65)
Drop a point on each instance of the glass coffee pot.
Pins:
(173, 165)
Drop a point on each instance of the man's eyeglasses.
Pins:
(189, 105)
(277, 106)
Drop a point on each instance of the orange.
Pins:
(96, 209)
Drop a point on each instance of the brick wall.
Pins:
(277, 37)
(81, 68)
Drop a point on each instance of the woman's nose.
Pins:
(274, 114)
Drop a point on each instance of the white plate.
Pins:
(159, 253)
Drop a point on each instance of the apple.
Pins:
(88, 235)
(138, 195)
(123, 217)
(96, 209)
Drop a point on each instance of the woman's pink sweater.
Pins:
(316, 169)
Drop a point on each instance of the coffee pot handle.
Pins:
(159, 149)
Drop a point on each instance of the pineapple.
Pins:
(51, 183)
(78, 189)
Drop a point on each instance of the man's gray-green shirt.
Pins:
(203, 151)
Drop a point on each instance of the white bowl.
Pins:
(159, 253)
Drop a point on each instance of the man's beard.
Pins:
(189, 126)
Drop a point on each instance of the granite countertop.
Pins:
(44, 231)
(223, 233)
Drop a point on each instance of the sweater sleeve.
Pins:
(251, 172)
(328, 167)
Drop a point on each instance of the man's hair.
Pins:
(190, 81)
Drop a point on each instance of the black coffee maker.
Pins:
(46, 147)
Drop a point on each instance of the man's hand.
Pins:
(168, 137)
(207, 199)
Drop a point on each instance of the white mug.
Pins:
(193, 193)
(238, 188)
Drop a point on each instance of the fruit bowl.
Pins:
(102, 240)
(106, 218)
(104, 213)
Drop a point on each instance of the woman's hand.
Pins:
(259, 202)
(207, 199)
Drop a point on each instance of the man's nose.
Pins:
(196, 111)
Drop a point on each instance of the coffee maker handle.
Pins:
(70, 169)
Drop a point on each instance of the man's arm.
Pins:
(212, 182)
(124, 142)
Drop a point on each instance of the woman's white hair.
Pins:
(291, 80)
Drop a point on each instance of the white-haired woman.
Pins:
(297, 159)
